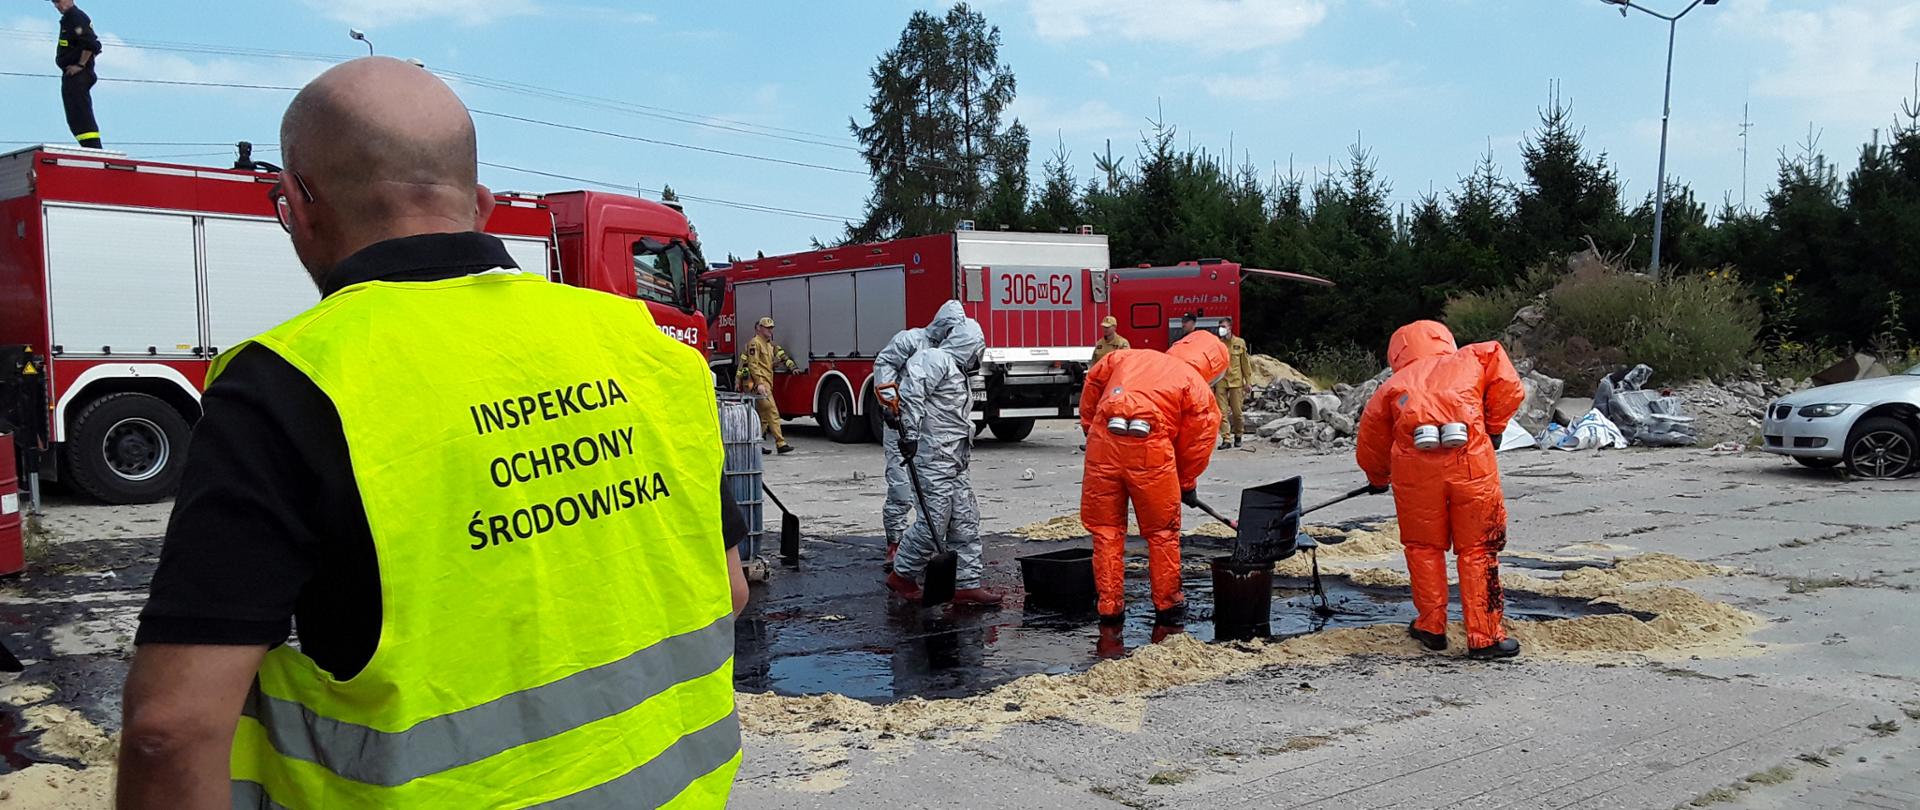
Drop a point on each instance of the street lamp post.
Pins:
(1666, 112)
(357, 34)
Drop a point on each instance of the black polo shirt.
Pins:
(76, 37)
(268, 531)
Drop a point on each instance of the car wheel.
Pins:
(1817, 463)
(836, 415)
(1881, 448)
(127, 448)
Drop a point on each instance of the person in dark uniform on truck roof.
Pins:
(77, 55)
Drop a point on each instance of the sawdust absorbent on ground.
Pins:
(68, 735)
(1112, 693)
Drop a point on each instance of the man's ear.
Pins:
(482, 206)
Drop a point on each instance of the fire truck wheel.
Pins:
(127, 448)
(1011, 430)
(876, 425)
(836, 415)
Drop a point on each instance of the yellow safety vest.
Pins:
(538, 464)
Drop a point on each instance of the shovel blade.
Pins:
(790, 539)
(8, 663)
(941, 572)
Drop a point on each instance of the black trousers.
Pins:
(76, 93)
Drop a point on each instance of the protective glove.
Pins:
(891, 417)
(909, 448)
(1378, 489)
(1190, 497)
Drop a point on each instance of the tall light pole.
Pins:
(356, 33)
(1666, 112)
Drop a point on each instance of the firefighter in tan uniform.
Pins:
(1231, 391)
(762, 355)
(1110, 340)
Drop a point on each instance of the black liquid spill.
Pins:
(832, 627)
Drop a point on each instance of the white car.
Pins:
(1869, 425)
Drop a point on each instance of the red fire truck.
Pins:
(121, 279)
(1039, 297)
(1150, 301)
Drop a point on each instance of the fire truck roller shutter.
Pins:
(529, 254)
(751, 301)
(882, 313)
(791, 309)
(254, 280)
(123, 282)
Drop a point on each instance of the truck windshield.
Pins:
(664, 270)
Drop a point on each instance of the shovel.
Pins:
(789, 530)
(944, 567)
(1347, 497)
(1202, 506)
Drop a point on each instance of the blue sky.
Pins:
(1426, 84)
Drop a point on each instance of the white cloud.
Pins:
(1848, 63)
(368, 13)
(1229, 25)
(1273, 81)
(1100, 68)
(1044, 117)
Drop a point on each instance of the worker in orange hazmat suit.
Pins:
(1429, 433)
(1150, 420)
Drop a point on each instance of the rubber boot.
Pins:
(893, 547)
(1432, 641)
(1112, 619)
(1110, 644)
(902, 587)
(1173, 616)
(1162, 631)
(980, 597)
(1507, 648)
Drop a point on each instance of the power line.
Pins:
(173, 82)
(658, 142)
(491, 114)
(767, 209)
(729, 203)
(565, 96)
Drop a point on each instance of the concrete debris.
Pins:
(1543, 392)
(1857, 367)
(1267, 370)
(1316, 406)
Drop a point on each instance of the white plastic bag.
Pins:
(1590, 432)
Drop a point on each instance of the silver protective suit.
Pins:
(888, 366)
(936, 407)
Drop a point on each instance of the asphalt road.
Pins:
(1820, 711)
(1805, 718)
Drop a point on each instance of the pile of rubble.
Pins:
(1289, 410)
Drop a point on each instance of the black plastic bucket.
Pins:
(1060, 580)
(1242, 599)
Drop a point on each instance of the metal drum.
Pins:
(740, 432)
(12, 549)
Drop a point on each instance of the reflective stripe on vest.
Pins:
(556, 622)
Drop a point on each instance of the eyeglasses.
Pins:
(277, 195)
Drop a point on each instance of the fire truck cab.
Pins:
(1150, 302)
(122, 279)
